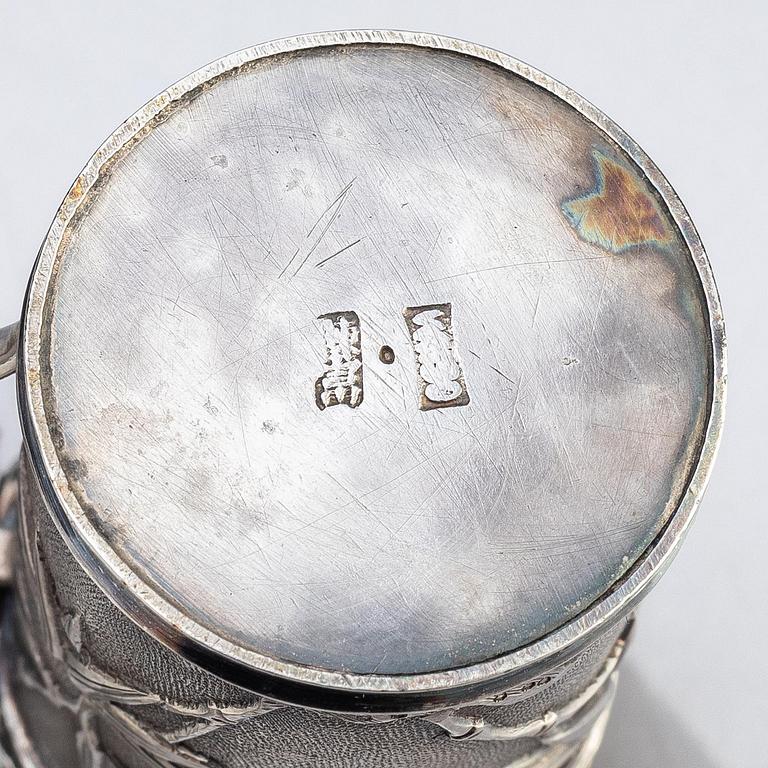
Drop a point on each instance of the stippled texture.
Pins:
(289, 737)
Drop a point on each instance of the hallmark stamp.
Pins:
(342, 379)
(438, 368)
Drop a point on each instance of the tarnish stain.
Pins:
(76, 192)
(620, 213)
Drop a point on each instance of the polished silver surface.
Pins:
(174, 339)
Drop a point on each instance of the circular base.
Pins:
(345, 349)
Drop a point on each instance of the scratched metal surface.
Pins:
(186, 343)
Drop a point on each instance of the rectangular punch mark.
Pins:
(439, 371)
(342, 380)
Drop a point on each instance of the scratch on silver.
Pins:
(342, 380)
(440, 375)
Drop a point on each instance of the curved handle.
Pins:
(9, 347)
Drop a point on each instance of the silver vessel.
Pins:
(368, 380)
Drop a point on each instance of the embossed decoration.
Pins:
(57, 666)
(342, 381)
(620, 212)
(439, 371)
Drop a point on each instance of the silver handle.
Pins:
(9, 347)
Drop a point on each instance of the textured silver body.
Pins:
(87, 687)
(368, 380)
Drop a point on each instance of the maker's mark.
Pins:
(439, 373)
(342, 380)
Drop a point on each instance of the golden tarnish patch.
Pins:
(77, 191)
(620, 212)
